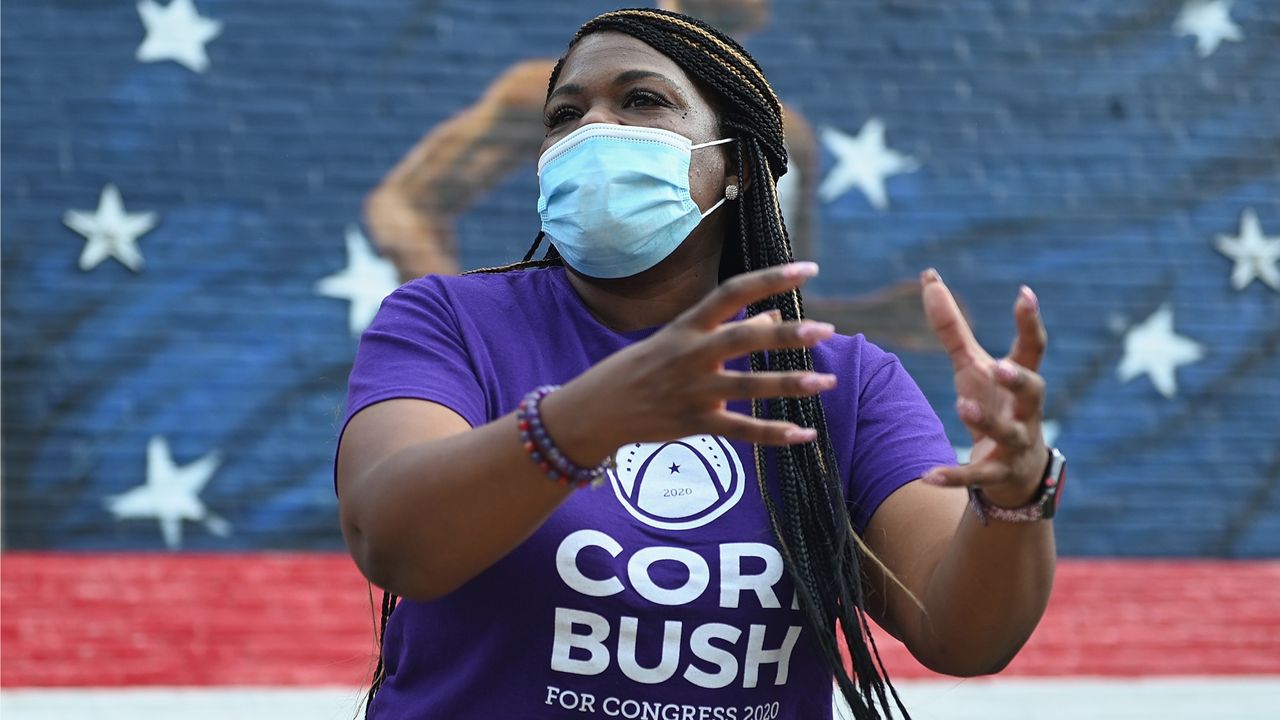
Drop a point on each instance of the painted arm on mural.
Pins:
(412, 213)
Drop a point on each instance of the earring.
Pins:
(731, 192)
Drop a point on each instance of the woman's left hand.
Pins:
(1000, 401)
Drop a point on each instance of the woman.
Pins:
(765, 481)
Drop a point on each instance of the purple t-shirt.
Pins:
(659, 595)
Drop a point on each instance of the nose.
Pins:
(599, 113)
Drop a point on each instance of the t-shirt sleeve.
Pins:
(898, 436)
(414, 348)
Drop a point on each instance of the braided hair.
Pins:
(807, 510)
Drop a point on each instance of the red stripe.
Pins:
(305, 619)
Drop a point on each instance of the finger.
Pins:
(733, 340)
(1006, 432)
(745, 428)
(1029, 345)
(768, 317)
(741, 290)
(733, 385)
(981, 473)
(948, 323)
(1027, 388)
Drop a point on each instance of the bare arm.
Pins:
(983, 589)
(427, 503)
(411, 213)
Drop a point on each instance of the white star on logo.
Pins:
(170, 494)
(365, 281)
(1255, 255)
(862, 162)
(1210, 21)
(1152, 348)
(109, 231)
(176, 32)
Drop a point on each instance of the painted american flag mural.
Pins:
(189, 257)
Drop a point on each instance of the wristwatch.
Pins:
(1042, 507)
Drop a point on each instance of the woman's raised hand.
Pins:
(1000, 401)
(674, 384)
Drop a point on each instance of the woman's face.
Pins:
(614, 78)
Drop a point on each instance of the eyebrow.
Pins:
(623, 78)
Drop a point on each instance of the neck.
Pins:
(655, 296)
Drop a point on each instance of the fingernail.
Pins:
(776, 315)
(930, 275)
(802, 269)
(1006, 371)
(801, 435)
(810, 331)
(968, 410)
(1029, 298)
(933, 477)
(818, 381)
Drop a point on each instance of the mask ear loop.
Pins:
(727, 193)
(730, 193)
(713, 208)
(699, 146)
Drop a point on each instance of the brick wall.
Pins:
(1086, 149)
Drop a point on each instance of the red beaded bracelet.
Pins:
(544, 453)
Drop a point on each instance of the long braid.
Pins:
(389, 601)
(809, 516)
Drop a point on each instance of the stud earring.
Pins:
(731, 192)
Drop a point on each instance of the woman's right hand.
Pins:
(674, 384)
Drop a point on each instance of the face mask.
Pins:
(615, 198)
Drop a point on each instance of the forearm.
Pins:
(985, 596)
(413, 211)
(435, 514)
(401, 231)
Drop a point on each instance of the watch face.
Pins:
(1053, 481)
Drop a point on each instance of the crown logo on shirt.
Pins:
(678, 485)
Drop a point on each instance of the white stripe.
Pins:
(1182, 698)
(1166, 698)
(180, 704)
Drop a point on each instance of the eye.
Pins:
(646, 98)
(561, 114)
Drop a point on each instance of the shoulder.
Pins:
(479, 288)
(851, 356)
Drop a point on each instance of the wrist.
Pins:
(1042, 505)
(581, 438)
(1011, 495)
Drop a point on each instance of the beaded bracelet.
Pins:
(544, 453)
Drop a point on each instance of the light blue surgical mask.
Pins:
(614, 199)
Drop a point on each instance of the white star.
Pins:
(1153, 348)
(170, 494)
(1049, 429)
(176, 32)
(365, 281)
(1255, 255)
(109, 231)
(862, 162)
(1210, 21)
